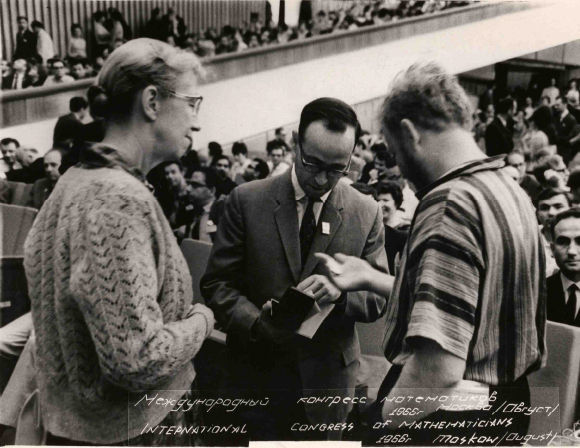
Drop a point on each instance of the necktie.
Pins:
(571, 304)
(307, 230)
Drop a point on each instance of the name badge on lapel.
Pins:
(326, 228)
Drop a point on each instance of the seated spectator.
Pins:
(241, 161)
(153, 29)
(573, 99)
(9, 146)
(279, 139)
(69, 127)
(276, 164)
(190, 43)
(171, 40)
(44, 44)
(563, 287)
(17, 80)
(549, 203)
(174, 199)
(43, 187)
(120, 30)
(527, 182)
(390, 198)
(79, 69)
(224, 183)
(77, 45)
(258, 169)
(203, 157)
(32, 166)
(529, 108)
(59, 76)
(207, 211)
(35, 75)
(101, 58)
(553, 173)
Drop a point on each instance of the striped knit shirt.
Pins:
(472, 277)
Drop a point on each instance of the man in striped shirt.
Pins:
(469, 299)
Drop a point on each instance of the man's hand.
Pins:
(321, 288)
(267, 329)
(346, 272)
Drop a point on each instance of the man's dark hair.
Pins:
(98, 15)
(75, 26)
(384, 155)
(549, 193)
(564, 99)
(164, 165)
(574, 180)
(77, 103)
(278, 130)
(19, 18)
(505, 105)
(274, 144)
(36, 24)
(8, 140)
(572, 212)
(392, 188)
(261, 169)
(215, 150)
(210, 175)
(76, 61)
(239, 148)
(54, 61)
(367, 190)
(336, 116)
(222, 157)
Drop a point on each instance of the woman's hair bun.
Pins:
(98, 101)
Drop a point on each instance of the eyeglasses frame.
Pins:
(328, 171)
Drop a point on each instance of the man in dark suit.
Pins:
(43, 187)
(25, 40)
(266, 242)
(565, 124)
(564, 286)
(68, 127)
(498, 138)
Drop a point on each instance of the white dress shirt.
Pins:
(566, 283)
(302, 199)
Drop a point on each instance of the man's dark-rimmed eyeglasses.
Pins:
(316, 168)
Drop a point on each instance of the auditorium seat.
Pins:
(15, 193)
(562, 371)
(15, 223)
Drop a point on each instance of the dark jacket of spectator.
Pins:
(557, 304)
(25, 45)
(498, 139)
(68, 128)
(28, 175)
(224, 186)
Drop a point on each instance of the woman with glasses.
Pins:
(111, 293)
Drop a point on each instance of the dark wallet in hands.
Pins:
(292, 308)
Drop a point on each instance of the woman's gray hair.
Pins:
(140, 63)
(429, 97)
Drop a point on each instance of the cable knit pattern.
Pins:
(112, 306)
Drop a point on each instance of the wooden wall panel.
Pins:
(58, 16)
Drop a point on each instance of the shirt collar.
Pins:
(299, 192)
(491, 163)
(500, 118)
(564, 113)
(566, 282)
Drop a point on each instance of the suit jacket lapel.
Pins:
(286, 216)
(330, 214)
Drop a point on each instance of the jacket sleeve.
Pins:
(366, 306)
(222, 283)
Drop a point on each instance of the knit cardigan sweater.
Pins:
(112, 307)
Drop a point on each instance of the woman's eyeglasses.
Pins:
(193, 100)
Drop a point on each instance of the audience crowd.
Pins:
(34, 62)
